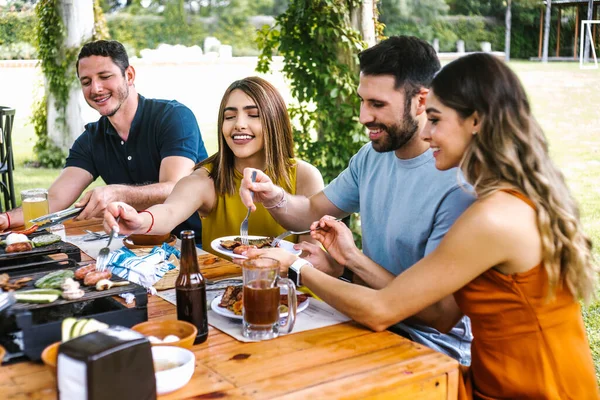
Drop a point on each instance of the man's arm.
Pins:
(172, 169)
(62, 193)
(309, 181)
(291, 212)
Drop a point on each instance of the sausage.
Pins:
(80, 273)
(93, 277)
(243, 248)
(19, 247)
(27, 231)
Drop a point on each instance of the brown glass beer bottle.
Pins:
(190, 288)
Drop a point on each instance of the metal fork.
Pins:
(102, 259)
(244, 226)
(285, 234)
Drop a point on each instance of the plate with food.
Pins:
(20, 245)
(230, 303)
(232, 246)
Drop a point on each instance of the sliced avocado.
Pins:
(66, 327)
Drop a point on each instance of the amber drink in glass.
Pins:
(261, 318)
(35, 204)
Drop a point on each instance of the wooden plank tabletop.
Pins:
(345, 361)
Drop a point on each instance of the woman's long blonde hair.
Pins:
(510, 151)
(277, 133)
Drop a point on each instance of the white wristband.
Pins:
(295, 268)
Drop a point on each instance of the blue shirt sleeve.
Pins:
(344, 191)
(452, 206)
(80, 154)
(179, 135)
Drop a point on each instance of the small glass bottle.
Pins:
(190, 288)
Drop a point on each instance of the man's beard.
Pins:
(396, 135)
(122, 94)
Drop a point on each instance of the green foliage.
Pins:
(448, 29)
(57, 64)
(591, 317)
(56, 61)
(100, 28)
(17, 35)
(320, 50)
(473, 30)
(139, 32)
(48, 154)
(17, 26)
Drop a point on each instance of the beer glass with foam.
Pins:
(35, 204)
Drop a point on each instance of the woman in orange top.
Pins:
(516, 260)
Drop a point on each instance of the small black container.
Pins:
(114, 363)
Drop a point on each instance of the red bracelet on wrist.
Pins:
(151, 216)
(8, 218)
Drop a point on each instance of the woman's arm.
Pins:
(483, 237)
(195, 192)
(480, 239)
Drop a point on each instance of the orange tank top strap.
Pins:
(519, 195)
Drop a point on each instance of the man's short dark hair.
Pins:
(105, 48)
(411, 61)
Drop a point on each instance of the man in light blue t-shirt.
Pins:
(406, 204)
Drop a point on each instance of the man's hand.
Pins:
(335, 236)
(95, 201)
(264, 190)
(3, 223)
(130, 220)
(320, 259)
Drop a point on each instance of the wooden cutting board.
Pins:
(211, 266)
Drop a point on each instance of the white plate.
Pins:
(214, 305)
(216, 245)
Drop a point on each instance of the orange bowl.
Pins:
(139, 241)
(160, 329)
(50, 356)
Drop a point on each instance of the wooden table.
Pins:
(341, 361)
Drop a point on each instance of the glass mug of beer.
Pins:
(35, 204)
(260, 312)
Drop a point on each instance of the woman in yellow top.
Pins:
(516, 260)
(254, 131)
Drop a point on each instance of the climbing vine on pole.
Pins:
(320, 50)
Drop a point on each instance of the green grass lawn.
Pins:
(565, 100)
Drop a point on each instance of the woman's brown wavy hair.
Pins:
(277, 133)
(511, 151)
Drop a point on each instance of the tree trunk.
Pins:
(78, 19)
(367, 22)
(546, 31)
(363, 20)
(508, 22)
(586, 46)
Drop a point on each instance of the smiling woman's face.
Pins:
(242, 128)
(448, 134)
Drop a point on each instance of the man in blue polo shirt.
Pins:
(140, 147)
